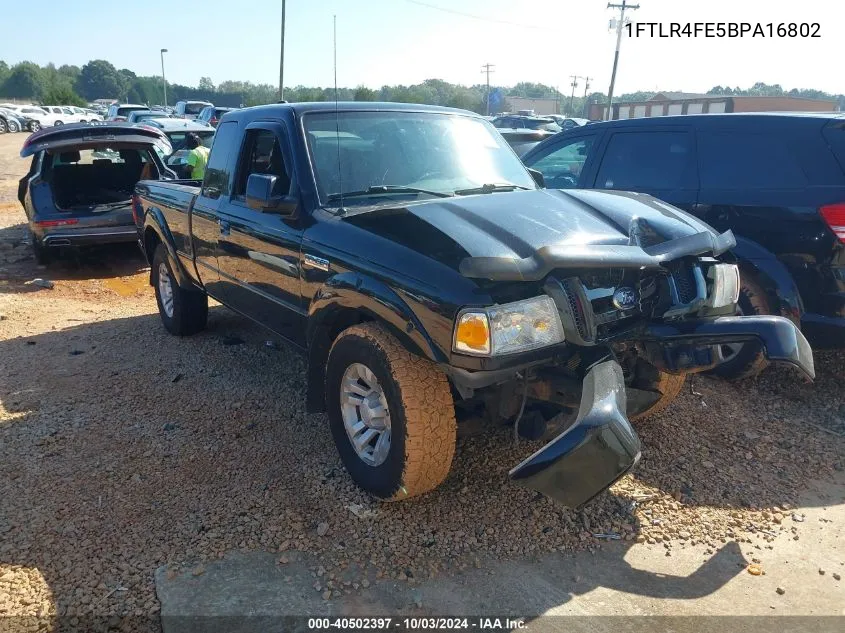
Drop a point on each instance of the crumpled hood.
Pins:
(524, 235)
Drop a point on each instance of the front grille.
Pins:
(577, 310)
(684, 281)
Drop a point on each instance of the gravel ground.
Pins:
(123, 449)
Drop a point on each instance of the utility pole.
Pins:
(487, 68)
(163, 80)
(282, 58)
(587, 81)
(574, 85)
(619, 26)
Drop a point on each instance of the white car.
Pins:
(37, 115)
(70, 114)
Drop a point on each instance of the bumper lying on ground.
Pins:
(601, 446)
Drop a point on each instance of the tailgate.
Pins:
(94, 134)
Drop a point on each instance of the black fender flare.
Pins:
(349, 298)
(773, 276)
(154, 221)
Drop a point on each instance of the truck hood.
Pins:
(524, 235)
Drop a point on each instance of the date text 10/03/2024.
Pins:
(725, 29)
(415, 624)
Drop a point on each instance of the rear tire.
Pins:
(42, 254)
(3, 127)
(747, 359)
(34, 126)
(420, 417)
(183, 312)
(13, 126)
(58, 123)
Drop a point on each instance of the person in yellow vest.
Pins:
(197, 156)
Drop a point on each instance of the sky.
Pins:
(404, 42)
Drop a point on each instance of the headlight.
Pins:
(509, 328)
(725, 287)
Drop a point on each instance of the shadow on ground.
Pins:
(123, 449)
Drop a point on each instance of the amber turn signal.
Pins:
(472, 333)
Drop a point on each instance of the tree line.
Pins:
(99, 79)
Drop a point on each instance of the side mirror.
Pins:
(260, 197)
(538, 178)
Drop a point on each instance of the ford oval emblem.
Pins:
(624, 298)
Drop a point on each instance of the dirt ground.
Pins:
(124, 450)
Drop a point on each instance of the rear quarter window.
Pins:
(741, 160)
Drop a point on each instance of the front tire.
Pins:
(3, 126)
(58, 123)
(391, 414)
(183, 312)
(34, 126)
(14, 127)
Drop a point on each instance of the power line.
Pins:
(477, 17)
(486, 68)
(619, 26)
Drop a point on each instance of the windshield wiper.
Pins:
(385, 189)
(490, 188)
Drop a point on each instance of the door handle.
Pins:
(224, 227)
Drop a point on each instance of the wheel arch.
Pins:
(155, 233)
(348, 299)
(772, 276)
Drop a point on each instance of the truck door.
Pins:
(216, 188)
(258, 252)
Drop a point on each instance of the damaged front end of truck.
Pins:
(628, 319)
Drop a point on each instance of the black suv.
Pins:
(776, 180)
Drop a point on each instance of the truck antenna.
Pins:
(337, 118)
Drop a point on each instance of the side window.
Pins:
(262, 154)
(216, 173)
(636, 161)
(743, 160)
(561, 166)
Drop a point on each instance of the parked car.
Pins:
(35, 117)
(567, 123)
(190, 109)
(79, 185)
(524, 140)
(13, 121)
(137, 116)
(120, 111)
(427, 279)
(211, 115)
(776, 180)
(84, 115)
(61, 115)
(523, 122)
(177, 131)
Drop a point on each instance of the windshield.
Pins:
(194, 107)
(434, 152)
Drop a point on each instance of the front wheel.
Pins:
(650, 391)
(34, 126)
(391, 414)
(3, 127)
(183, 312)
(14, 127)
(58, 123)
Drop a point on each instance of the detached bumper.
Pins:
(781, 339)
(594, 452)
(601, 446)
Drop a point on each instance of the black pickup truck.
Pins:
(430, 279)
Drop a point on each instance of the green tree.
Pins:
(362, 93)
(206, 84)
(25, 81)
(70, 72)
(99, 79)
(62, 94)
